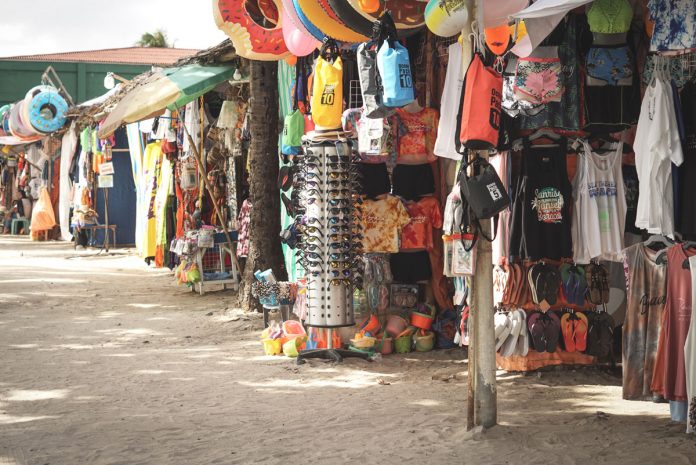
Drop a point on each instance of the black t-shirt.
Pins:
(686, 214)
(541, 212)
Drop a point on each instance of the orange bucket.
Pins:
(370, 325)
(421, 320)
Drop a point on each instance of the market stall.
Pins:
(403, 158)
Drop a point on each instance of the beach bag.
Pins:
(483, 196)
(294, 123)
(327, 90)
(480, 116)
(395, 70)
(371, 82)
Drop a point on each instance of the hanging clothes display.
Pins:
(541, 222)
(690, 356)
(657, 145)
(447, 129)
(646, 289)
(686, 214)
(675, 24)
(599, 212)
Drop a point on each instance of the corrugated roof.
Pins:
(125, 56)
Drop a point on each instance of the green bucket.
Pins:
(402, 345)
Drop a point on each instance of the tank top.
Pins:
(610, 16)
(646, 289)
(599, 216)
(669, 377)
(541, 213)
(690, 356)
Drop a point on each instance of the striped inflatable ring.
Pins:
(250, 40)
(407, 14)
(317, 11)
(361, 24)
(33, 92)
(446, 18)
(311, 28)
(47, 111)
(17, 126)
(5, 110)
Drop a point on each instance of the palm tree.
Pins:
(157, 39)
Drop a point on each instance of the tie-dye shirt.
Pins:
(426, 214)
(382, 222)
(675, 24)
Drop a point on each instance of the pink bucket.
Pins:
(396, 325)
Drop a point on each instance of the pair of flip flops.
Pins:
(544, 281)
(545, 330)
(597, 278)
(574, 329)
(511, 333)
(573, 284)
(516, 292)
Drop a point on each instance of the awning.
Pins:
(169, 88)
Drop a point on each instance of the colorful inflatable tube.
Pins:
(446, 18)
(319, 12)
(251, 40)
(47, 111)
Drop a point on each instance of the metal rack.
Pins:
(214, 260)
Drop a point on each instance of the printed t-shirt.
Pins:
(675, 24)
(669, 377)
(382, 222)
(418, 233)
(646, 285)
(415, 136)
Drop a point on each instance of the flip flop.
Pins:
(502, 329)
(567, 331)
(580, 326)
(522, 347)
(552, 331)
(536, 327)
(508, 347)
(552, 281)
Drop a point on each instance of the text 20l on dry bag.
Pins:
(481, 108)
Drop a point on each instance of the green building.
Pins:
(82, 73)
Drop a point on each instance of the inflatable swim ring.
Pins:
(360, 23)
(251, 40)
(5, 110)
(16, 125)
(289, 8)
(408, 15)
(299, 43)
(319, 12)
(47, 111)
(446, 18)
(313, 30)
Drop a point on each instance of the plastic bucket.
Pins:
(272, 346)
(290, 348)
(370, 325)
(293, 328)
(387, 346)
(425, 343)
(395, 325)
(402, 345)
(421, 320)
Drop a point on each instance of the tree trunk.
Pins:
(264, 240)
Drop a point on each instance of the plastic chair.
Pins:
(19, 221)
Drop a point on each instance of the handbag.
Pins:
(327, 88)
(481, 115)
(483, 197)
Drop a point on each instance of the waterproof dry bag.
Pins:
(327, 89)
(371, 82)
(293, 130)
(395, 70)
(481, 108)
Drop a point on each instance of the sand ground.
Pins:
(104, 361)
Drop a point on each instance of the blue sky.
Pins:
(49, 26)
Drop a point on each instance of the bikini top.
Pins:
(610, 16)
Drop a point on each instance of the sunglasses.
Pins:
(312, 230)
(340, 210)
(312, 239)
(340, 245)
(338, 229)
(335, 202)
(338, 282)
(337, 274)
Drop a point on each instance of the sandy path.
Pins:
(107, 362)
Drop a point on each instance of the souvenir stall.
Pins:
(29, 162)
(566, 124)
(187, 140)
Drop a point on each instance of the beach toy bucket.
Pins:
(425, 343)
(272, 346)
(387, 346)
(370, 325)
(291, 347)
(421, 320)
(402, 345)
(395, 325)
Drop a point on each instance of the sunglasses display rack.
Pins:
(328, 245)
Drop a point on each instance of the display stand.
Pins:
(218, 266)
(328, 251)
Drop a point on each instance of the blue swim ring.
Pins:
(47, 111)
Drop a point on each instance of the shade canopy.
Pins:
(169, 88)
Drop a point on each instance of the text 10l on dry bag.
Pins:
(395, 70)
(481, 107)
(327, 94)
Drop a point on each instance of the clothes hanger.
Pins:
(657, 242)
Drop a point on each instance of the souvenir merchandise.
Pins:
(426, 215)
(329, 242)
(599, 209)
(374, 179)
(690, 356)
(669, 34)
(373, 135)
(541, 222)
(411, 182)
(383, 219)
(394, 69)
(447, 129)
(415, 135)
(327, 91)
(411, 267)
(686, 214)
(370, 82)
(481, 106)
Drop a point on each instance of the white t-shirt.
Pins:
(447, 128)
(657, 145)
(599, 213)
(690, 353)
